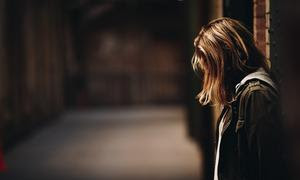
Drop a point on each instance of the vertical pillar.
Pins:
(199, 118)
(285, 40)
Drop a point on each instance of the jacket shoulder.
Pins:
(257, 94)
(259, 87)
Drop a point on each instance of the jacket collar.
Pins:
(260, 74)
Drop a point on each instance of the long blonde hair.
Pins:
(224, 51)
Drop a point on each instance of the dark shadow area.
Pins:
(128, 55)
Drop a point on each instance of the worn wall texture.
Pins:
(33, 53)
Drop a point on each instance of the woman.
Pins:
(236, 76)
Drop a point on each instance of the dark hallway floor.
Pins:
(136, 143)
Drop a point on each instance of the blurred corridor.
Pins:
(126, 144)
(98, 90)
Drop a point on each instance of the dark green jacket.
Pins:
(252, 145)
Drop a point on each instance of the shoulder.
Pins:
(257, 89)
(257, 98)
(258, 104)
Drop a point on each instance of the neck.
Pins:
(234, 78)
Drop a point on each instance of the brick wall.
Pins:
(261, 26)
